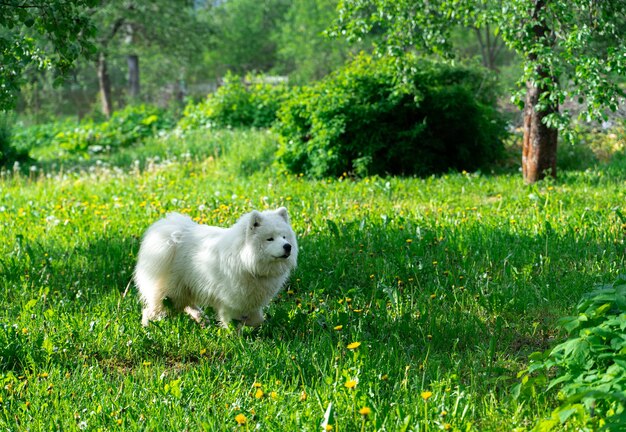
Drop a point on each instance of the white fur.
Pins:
(236, 271)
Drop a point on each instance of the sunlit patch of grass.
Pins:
(405, 288)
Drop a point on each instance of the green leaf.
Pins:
(570, 323)
(47, 345)
(566, 413)
(30, 305)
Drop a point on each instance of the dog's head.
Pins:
(270, 246)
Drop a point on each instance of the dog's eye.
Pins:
(270, 239)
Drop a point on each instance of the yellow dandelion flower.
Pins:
(447, 426)
(241, 419)
(259, 394)
(350, 384)
(329, 427)
(338, 327)
(256, 384)
(354, 345)
(303, 396)
(203, 351)
(274, 395)
(426, 395)
(365, 411)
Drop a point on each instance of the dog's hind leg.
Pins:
(152, 299)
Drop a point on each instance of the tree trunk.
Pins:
(105, 85)
(539, 145)
(540, 141)
(133, 76)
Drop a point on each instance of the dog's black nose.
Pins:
(287, 247)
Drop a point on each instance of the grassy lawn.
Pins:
(414, 305)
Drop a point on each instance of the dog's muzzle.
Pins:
(287, 249)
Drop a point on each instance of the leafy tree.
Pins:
(243, 35)
(304, 50)
(570, 49)
(44, 34)
(130, 26)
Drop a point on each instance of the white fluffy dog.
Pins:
(236, 271)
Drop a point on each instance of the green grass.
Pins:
(448, 283)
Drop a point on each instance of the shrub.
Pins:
(365, 119)
(9, 151)
(124, 128)
(238, 103)
(590, 365)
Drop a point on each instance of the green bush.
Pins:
(590, 365)
(238, 103)
(9, 151)
(365, 119)
(125, 128)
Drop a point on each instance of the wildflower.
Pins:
(426, 395)
(365, 411)
(203, 351)
(274, 395)
(409, 241)
(350, 384)
(241, 419)
(259, 394)
(256, 384)
(339, 327)
(303, 396)
(329, 427)
(354, 345)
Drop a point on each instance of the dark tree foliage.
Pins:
(42, 34)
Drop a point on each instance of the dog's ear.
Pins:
(255, 219)
(282, 212)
